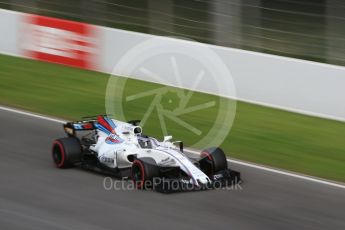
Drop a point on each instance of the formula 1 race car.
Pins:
(121, 149)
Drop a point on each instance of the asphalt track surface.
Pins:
(36, 195)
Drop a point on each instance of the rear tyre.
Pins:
(213, 160)
(66, 152)
(143, 170)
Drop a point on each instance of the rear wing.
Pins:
(89, 123)
(71, 128)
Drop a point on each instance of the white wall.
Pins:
(9, 22)
(296, 85)
(291, 84)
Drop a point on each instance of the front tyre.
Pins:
(144, 170)
(66, 152)
(213, 160)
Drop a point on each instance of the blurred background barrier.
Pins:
(60, 41)
(300, 86)
(308, 29)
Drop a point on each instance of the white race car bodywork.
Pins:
(117, 148)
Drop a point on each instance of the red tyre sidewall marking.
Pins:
(62, 151)
(140, 185)
(208, 155)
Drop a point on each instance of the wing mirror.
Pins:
(167, 138)
(180, 145)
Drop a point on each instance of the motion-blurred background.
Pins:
(312, 29)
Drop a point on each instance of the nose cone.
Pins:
(200, 177)
(204, 180)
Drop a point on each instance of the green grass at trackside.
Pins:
(262, 135)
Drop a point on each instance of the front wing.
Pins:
(226, 179)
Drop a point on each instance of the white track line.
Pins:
(251, 165)
(31, 114)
